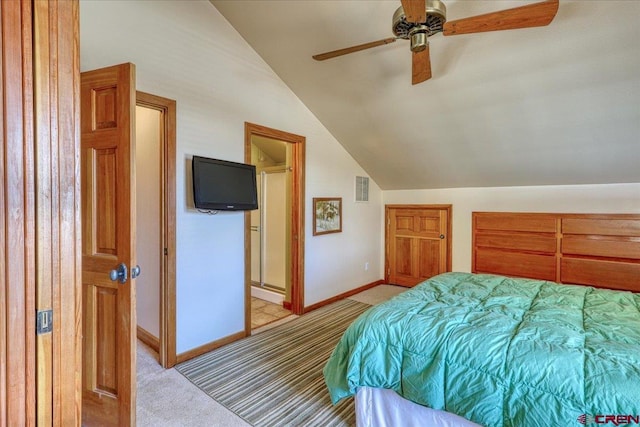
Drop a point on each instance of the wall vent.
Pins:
(362, 189)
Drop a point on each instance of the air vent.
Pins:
(362, 189)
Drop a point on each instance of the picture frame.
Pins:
(327, 215)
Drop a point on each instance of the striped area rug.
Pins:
(275, 378)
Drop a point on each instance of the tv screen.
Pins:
(224, 185)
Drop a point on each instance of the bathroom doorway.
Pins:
(270, 231)
(274, 232)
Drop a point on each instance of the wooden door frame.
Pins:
(297, 221)
(166, 344)
(448, 208)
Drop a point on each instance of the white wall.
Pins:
(186, 51)
(610, 198)
(148, 251)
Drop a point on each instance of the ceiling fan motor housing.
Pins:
(419, 32)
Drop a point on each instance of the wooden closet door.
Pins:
(39, 215)
(418, 243)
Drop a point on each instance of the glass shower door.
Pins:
(269, 231)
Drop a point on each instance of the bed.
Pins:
(502, 350)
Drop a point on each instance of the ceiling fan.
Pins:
(417, 20)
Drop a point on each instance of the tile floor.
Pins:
(264, 312)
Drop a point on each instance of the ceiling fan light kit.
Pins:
(417, 20)
(436, 16)
(419, 41)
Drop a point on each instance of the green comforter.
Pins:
(498, 351)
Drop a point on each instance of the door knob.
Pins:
(135, 272)
(119, 273)
(442, 236)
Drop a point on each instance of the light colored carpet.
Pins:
(378, 294)
(168, 399)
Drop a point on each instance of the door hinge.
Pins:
(44, 321)
(166, 252)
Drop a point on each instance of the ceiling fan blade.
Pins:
(340, 52)
(531, 15)
(421, 66)
(415, 10)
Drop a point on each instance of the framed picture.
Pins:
(327, 215)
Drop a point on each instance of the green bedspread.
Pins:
(498, 351)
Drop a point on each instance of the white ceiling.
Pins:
(549, 105)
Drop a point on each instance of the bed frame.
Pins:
(601, 250)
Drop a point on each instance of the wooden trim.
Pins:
(418, 206)
(167, 107)
(247, 270)
(343, 295)
(183, 357)
(286, 305)
(297, 221)
(297, 229)
(449, 209)
(148, 338)
(198, 351)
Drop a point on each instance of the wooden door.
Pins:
(107, 102)
(418, 243)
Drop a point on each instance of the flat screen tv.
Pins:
(224, 185)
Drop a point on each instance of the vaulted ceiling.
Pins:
(540, 106)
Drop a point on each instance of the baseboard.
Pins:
(187, 355)
(343, 296)
(267, 295)
(148, 338)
